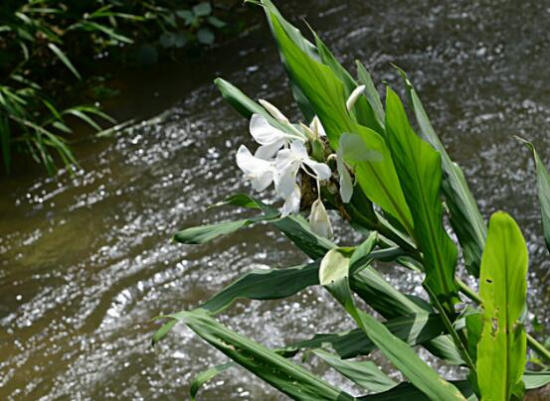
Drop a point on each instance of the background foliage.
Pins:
(49, 55)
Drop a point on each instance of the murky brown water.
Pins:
(86, 261)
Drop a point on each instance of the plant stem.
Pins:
(533, 343)
(459, 342)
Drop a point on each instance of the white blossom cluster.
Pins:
(282, 154)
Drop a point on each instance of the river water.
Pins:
(86, 261)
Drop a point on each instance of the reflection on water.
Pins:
(86, 261)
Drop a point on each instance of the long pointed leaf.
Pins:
(543, 189)
(466, 218)
(419, 169)
(363, 373)
(269, 366)
(64, 59)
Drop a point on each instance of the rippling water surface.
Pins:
(86, 261)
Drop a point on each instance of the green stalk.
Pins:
(454, 334)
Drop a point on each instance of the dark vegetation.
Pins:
(51, 52)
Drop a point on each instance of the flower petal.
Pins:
(299, 149)
(321, 170)
(258, 171)
(292, 202)
(319, 220)
(263, 132)
(286, 168)
(268, 151)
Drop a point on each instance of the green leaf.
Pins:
(413, 329)
(419, 169)
(94, 26)
(245, 105)
(535, 380)
(202, 9)
(333, 275)
(206, 376)
(187, 16)
(406, 391)
(167, 39)
(501, 351)
(287, 377)
(295, 227)
(64, 59)
(216, 22)
(391, 303)
(543, 189)
(474, 326)
(265, 284)
(82, 116)
(363, 373)
(206, 233)
(205, 36)
(304, 44)
(240, 102)
(465, 216)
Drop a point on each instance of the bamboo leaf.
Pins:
(501, 351)
(419, 169)
(64, 59)
(333, 275)
(465, 216)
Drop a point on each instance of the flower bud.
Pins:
(274, 111)
(319, 221)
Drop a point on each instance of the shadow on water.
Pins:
(86, 261)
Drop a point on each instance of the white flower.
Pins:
(355, 95)
(259, 171)
(270, 138)
(287, 164)
(317, 127)
(274, 111)
(319, 221)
